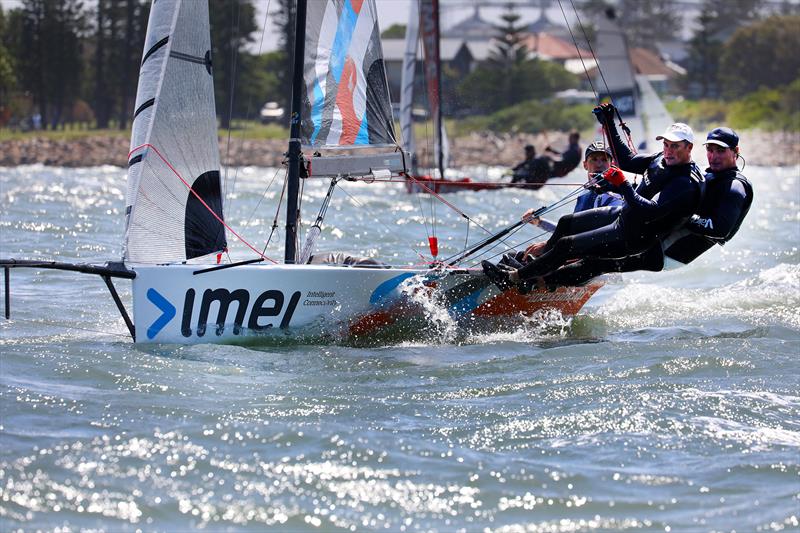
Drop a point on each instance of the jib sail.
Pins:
(174, 201)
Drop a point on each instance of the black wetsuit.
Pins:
(614, 232)
(569, 160)
(536, 170)
(727, 200)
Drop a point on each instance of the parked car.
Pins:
(271, 112)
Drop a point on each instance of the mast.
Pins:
(438, 59)
(293, 188)
(429, 21)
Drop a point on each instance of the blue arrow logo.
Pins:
(167, 312)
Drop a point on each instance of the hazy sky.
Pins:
(393, 12)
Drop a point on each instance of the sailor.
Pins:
(670, 176)
(534, 170)
(727, 200)
(569, 158)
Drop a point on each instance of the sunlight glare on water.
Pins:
(669, 403)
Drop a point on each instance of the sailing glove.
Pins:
(605, 113)
(614, 176)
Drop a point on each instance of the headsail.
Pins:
(346, 101)
(174, 201)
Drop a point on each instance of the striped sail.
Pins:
(346, 101)
(174, 201)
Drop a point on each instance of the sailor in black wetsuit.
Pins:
(727, 200)
(570, 158)
(611, 233)
(533, 170)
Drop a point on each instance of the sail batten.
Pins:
(174, 197)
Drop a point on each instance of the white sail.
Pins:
(407, 79)
(654, 113)
(615, 81)
(174, 201)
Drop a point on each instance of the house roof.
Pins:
(647, 62)
(393, 49)
(472, 27)
(548, 46)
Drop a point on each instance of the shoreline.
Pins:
(758, 148)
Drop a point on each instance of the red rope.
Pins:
(148, 145)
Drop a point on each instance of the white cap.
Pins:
(678, 132)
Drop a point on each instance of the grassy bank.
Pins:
(240, 129)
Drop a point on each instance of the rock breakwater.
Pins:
(758, 147)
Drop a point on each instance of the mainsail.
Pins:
(174, 201)
(408, 80)
(346, 101)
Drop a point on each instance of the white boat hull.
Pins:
(177, 304)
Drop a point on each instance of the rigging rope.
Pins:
(247, 112)
(499, 236)
(606, 129)
(199, 198)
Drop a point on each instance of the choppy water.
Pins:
(670, 403)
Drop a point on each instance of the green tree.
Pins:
(129, 51)
(8, 80)
(50, 40)
(509, 76)
(509, 59)
(533, 80)
(644, 22)
(718, 20)
(761, 55)
(284, 20)
(703, 62)
(647, 21)
(395, 31)
(260, 82)
(114, 53)
(232, 27)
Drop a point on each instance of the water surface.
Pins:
(670, 403)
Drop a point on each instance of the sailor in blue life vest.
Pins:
(569, 158)
(670, 193)
(597, 159)
(533, 170)
(727, 200)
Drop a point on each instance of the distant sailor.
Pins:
(727, 200)
(533, 170)
(569, 158)
(669, 194)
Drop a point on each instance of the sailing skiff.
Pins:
(175, 231)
